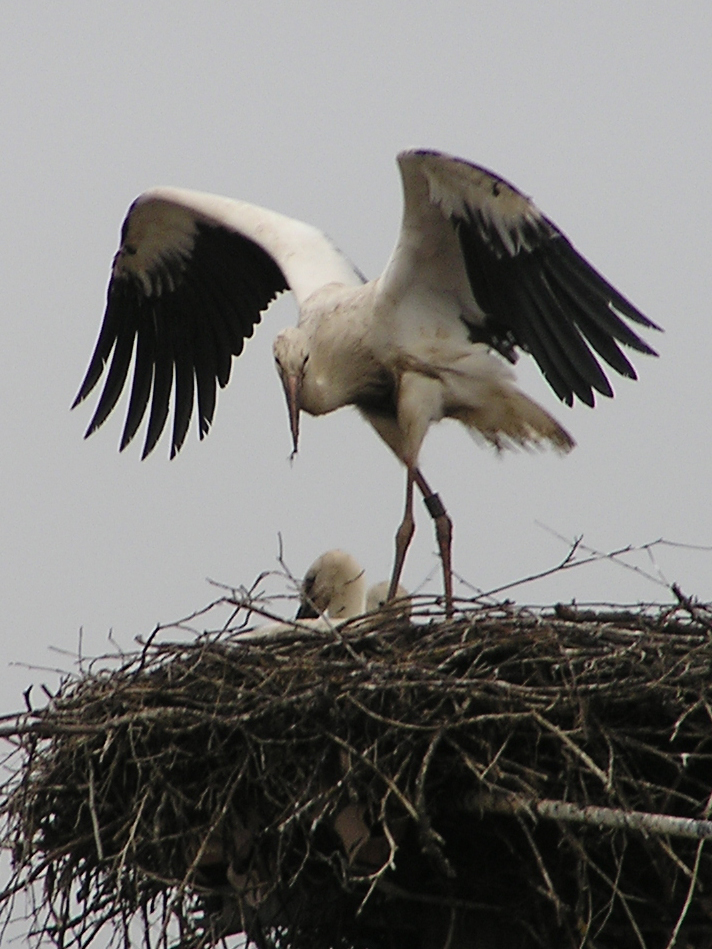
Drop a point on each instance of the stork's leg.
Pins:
(404, 535)
(443, 532)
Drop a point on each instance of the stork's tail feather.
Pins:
(514, 420)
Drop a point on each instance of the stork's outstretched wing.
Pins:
(516, 279)
(189, 282)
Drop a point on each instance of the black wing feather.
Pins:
(567, 254)
(110, 329)
(162, 383)
(201, 307)
(215, 305)
(535, 338)
(498, 296)
(206, 374)
(184, 362)
(590, 298)
(605, 346)
(141, 387)
(538, 292)
(116, 377)
(586, 371)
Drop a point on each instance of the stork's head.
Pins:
(334, 585)
(291, 355)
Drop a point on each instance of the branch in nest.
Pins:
(611, 818)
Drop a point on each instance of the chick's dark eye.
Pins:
(306, 360)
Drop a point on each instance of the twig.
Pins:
(431, 841)
(615, 889)
(579, 752)
(663, 825)
(688, 898)
(697, 612)
(92, 811)
(550, 891)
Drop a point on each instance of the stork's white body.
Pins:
(357, 335)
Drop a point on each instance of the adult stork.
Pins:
(477, 272)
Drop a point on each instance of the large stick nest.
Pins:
(386, 784)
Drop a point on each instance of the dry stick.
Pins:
(609, 817)
(392, 889)
(450, 930)
(386, 720)
(92, 811)
(377, 877)
(50, 729)
(432, 842)
(688, 899)
(696, 610)
(566, 564)
(551, 892)
(177, 895)
(389, 782)
(615, 889)
(579, 752)
(671, 855)
(595, 556)
(132, 836)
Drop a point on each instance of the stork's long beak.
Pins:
(293, 392)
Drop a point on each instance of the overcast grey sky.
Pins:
(599, 110)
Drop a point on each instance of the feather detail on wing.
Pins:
(191, 278)
(529, 286)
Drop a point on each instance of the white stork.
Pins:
(379, 599)
(334, 586)
(477, 272)
(332, 592)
